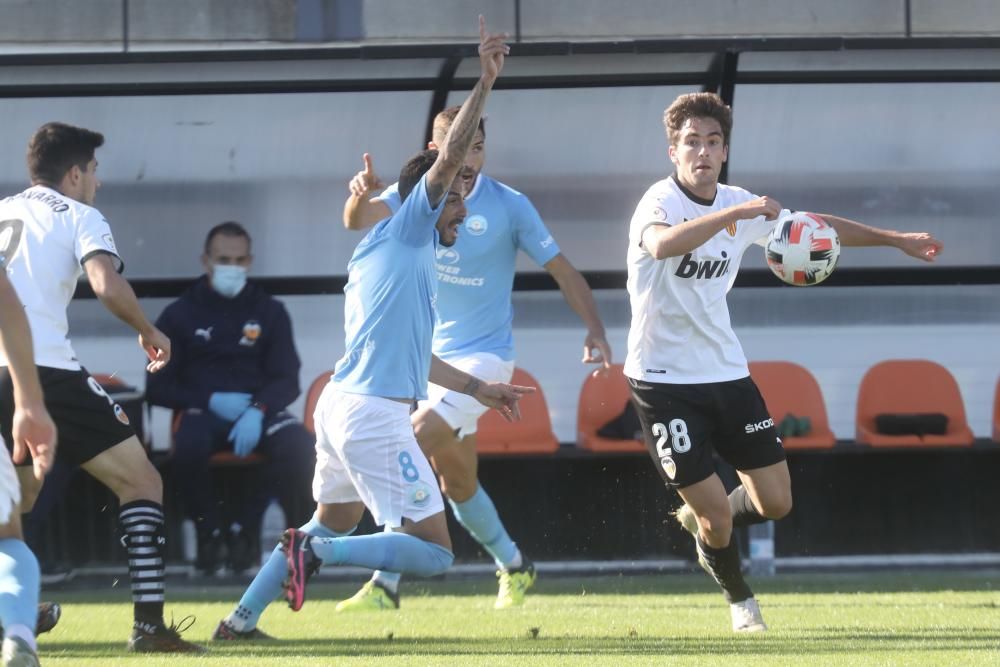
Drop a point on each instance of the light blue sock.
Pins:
(396, 552)
(478, 516)
(266, 586)
(19, 580)
(388, 580)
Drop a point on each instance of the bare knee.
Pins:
(142, 484)
(776, 506)
(716, 528)
(458, 485)
(340, 517)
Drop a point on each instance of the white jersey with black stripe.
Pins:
(45, 237)
(680, 332)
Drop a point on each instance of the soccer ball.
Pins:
(802, 249)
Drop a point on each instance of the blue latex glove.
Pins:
(229, 405)
(246, 432)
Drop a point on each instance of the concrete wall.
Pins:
(78, 22)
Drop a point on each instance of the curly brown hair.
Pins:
(697, 105)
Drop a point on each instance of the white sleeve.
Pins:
(655, 208)
(93, 237)
(758, 229)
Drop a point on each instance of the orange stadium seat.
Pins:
(531, 435)
(603, 397)
(910, 386)
(790, 389)
(312, 396)
(996, 415)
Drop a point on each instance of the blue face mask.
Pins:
(228, 279)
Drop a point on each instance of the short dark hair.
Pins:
(228, 228)
(697, 105)
(413, 170)
(55, 148)
(444, 120)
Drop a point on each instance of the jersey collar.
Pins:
(692, 196)
(476, 187)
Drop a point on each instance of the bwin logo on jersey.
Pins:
(709, 268)
(447, 256)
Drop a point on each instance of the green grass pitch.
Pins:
(926, 618)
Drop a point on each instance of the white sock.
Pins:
(22, 631)
(389, 583)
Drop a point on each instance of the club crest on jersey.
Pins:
(476, 225)
(251, 332)
(659, 214)
(707, 268)
(448, 256)
(669, 467)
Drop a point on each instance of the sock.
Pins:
(479, 516)
(19, 581)
(395, 552)
(744, 513)
(387, 580)
(724, 566)
(141, 525)
(266, 586)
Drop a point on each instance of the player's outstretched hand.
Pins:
(502, 397)
(920, 245)
(365, 181)
(156, 345)
(769, 207)
(599, 343)
(491, 51)
(33, 431)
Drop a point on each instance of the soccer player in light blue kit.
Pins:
(473, 332)
(366, 452)
(32, 431)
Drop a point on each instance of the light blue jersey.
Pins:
(389, 304)
(475, 276)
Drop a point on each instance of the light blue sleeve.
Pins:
(390, 196)
(530, 233)
(414, 222)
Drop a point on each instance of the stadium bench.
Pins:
(603, 397)
(911, 386)
(531, 435)
(790, 389)
(312, 397)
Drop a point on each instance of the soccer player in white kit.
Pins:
(34, 432)
(366, 453)
(687, 371)
(53, 236)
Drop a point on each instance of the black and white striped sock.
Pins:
(141, 525)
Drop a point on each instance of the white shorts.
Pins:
(460, 411)
(365, 450)
(10, 487)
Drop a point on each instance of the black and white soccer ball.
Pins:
(802, 249)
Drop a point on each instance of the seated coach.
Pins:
(233, 372)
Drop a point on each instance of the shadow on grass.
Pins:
(847, 584)
(831, 641)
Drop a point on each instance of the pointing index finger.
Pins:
(368, 162)
(482, 28)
